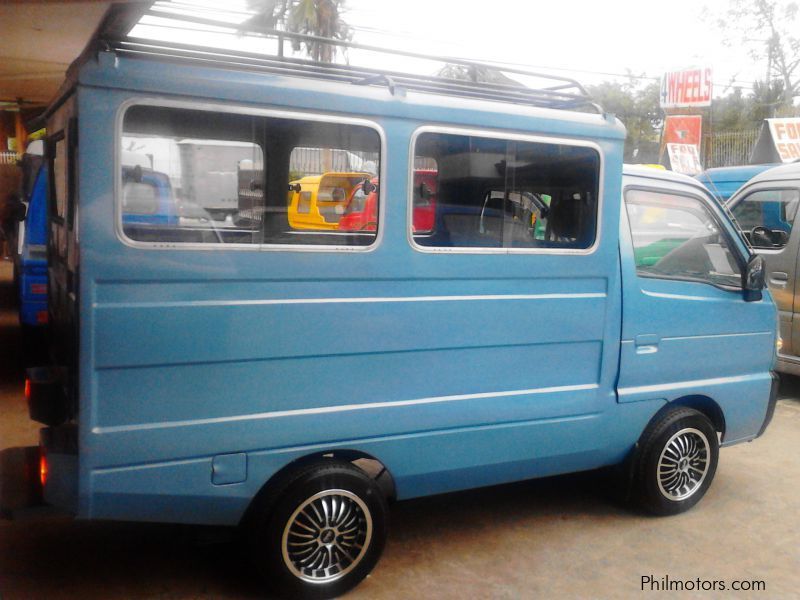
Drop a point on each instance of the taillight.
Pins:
(27, 389)
(42, 466)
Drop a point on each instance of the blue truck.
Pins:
(294, 383)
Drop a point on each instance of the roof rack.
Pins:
(557, 92)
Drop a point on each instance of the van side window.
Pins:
(500, 193)
(766, 217)
(676, 237)
(59, 177)
(201, 177)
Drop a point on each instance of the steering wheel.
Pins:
(761, 236)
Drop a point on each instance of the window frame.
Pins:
(733, 247)
(772, 187)
(72, 162)
(511, 137)
(216, 107)
(52, 195)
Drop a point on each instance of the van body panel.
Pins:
(438, 463)
(282, 353)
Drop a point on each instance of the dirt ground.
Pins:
(559, 537)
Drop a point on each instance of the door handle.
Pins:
(779, 278)
(646, 343)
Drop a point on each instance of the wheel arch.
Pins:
(368, 463)
(705, 405)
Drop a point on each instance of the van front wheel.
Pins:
(325, 533)
(678, 459)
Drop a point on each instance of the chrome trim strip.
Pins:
(503, 135)
(685, 296)
(254, 111)
(683, 385)
(344, 408)
(365, 300)
(708, 336)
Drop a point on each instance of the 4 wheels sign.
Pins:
(687, 88)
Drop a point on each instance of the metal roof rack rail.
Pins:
(557, 92)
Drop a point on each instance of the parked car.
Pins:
(318, 201)
(32, 257)
(765, 210)
(361, 210)
(147, 198)
(296, 381)
(722, 182)
(30, 165)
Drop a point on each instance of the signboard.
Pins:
(786, 137)
(683, 129)
(684, 158)
(686, 88)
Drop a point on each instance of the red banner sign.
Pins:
(683, 129)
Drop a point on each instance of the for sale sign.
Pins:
(686, 88)
(786, 137)
(684, 158)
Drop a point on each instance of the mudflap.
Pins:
(20, 482)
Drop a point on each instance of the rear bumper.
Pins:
(773, 400)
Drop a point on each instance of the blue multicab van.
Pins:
(295, 382)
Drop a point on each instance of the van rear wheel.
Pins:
(677, 462)
(325, 532)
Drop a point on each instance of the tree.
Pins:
(770, 29)
(639, 110)
(737, 112)
(321, 18)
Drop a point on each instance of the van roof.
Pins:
(553, 91)
(738, 173)
(473, 79)
(781, 173)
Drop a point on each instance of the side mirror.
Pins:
(368, 187)
(754, 278)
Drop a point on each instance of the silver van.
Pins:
(765, 210)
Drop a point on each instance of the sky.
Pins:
(589, 41)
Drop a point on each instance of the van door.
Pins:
(765, 213)
(686, 327)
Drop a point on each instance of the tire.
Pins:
(678, 459)
(321, 532)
